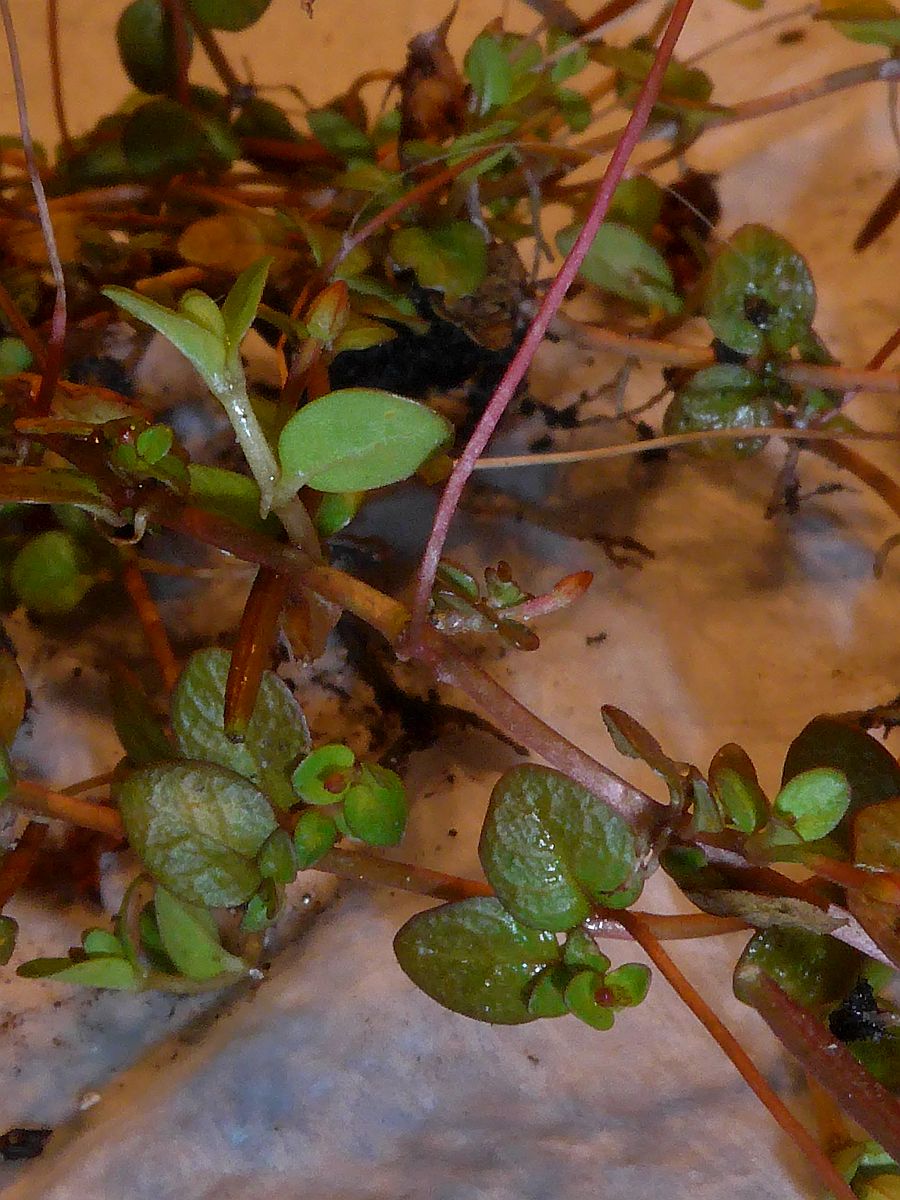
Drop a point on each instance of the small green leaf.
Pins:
(475, 959)
(314, 835)
(197, 828)
(871, 21)
(228, 494)
(551, 849)
(760, 294)
(637, 202)
(276, 736)
(732, 778)
(146, 44)
(242, 302)
(627, 985)
(450, 258)
(726, 396)
(548, 996)
(375, 809)
(490, 73)
(336, 511)
(202, 349)
(278, 858)
(48, 576)
(581, 951)
(100, 972)
(136, 722)
(632, 739)
(14, 356)
(155, 443)
(568, 64)
(311, 775)
(7, 773)
(162, 137)
(814, 802)
(260, 118)
(339, 135)
(231, 15)
(356, 439)
(9, 931)
(189, 936)
(814, 969)
(582, 1002)
(101, 942)
(622, 262)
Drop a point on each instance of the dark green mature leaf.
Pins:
(232, 15)
(551, 849)
(474, 958)
(760, 294)
(275, 738)
(137, 724)
(102, 971)
(339, 135)
(163, 137)
(622, 262)
(871, 770)
(197, 828)
(358, 438)
(190, 938)
(732, 778)
(451, 258)
(48, 575)
(721, 397)
(814, 969)
(813, 802)
(147, 46)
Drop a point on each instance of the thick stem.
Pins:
(515, 373)
(729, 1044)
(33, 797)
(253, 649)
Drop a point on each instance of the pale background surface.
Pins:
(339, 1080)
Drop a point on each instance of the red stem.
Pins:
(56, 72)
(515, 373)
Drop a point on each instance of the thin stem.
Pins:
(220, 64)
(728, 1043)
(824, 438)
(181, 46)
(58, 320)
(845, 456)
(515, 373)
(151, 622)
(17, 863)
(880, 69)
(34, 797)
(56, 86)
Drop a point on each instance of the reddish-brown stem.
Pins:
(53, 361)
(515, 373)
(56, 86)
(20, 326)
(36, 798)
(151, 622)
(729, 1044)
(845, 456)
(253, 648)
(220, 64)
(885, 213)
(17, 863)
(881, 69)
(829, 1061)
(181, 46)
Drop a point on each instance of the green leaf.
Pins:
(197, 828)
(201, 348)
(231, 15)
(146, 44)
(475, 959)
(551, 849)
(356, 439)
(318, 767)
(260, 118)
(450, 258)
(622, 262)
(872, 21)
(633, 64)
(14, 356)
(191, 940)
(13, 697)
(627, 985)
(760, 294)
(228, 494)
(548, 996)
(637, 202)
(726, 396)
(9, 931)
(100, 972)
(568, 64)
(48, 576)
(339, 135)
(7, 774)
(732, 778)
(814, 802)
(278, 858)
(375, 809)
(581, 951)
(162, 137)
(242, 302)
(101, 942)
(314, 835)
(275, 738)
(633, 740)
(814, 969)
(582, 1002)
(490, 73)
(871, 770)
(336, 511)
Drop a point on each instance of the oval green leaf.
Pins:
(276, 735)
(475, 959)
(721, 397)
(358, 438)
(147, 46)
(197, 828)
(814, 802)
(449, 258)
(551, 849)
(232, 15)
(622, 262)
(190, 938)
(101, 972)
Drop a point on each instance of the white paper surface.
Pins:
(341, 1082)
